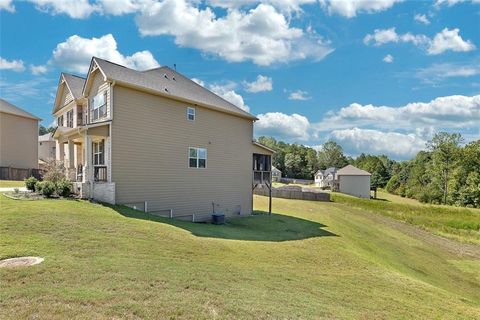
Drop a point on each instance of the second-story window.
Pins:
(60, 121)
(191, 113)
(70, 119)
(98, 107)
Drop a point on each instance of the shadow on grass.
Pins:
(258, 227)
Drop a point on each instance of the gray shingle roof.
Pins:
(169, 83)
(7, 107)
(75, 83)
(352, 171)
(46, 137)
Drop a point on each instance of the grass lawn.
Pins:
(459, 223)
(308, 260)
(11, 184)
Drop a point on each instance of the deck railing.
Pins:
(261, 177)
(100, 173)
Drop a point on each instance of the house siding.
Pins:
(151, 137)
(358, 186)
(18, 141)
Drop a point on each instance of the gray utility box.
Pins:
(218, 218)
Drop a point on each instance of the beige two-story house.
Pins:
(155, 140)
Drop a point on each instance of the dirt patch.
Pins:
(20, 262)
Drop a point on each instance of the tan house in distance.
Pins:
(155, 140)
(18, 137)
(46, 148)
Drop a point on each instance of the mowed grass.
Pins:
(308, 260)
(459, 223)
(11, 184)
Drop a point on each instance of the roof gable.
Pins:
(74, 85)
(352, 171)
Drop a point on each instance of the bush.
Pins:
(54, 171)
(30, 183)
(64, 187)
(393, 184)
(46, 188)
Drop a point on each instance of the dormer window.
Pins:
(98, 106)
(191, 114)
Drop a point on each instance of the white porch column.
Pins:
(88, 168)
(60, 151)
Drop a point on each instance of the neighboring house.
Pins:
(276, 174)
(18, 137)
(326, 178)
(157, 141)
(354, 181)
(46, 147)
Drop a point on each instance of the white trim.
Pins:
(194, 114)
(197, 158)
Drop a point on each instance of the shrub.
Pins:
(46, 188)
(54, 171)
(30, 183)
(16, 191)
(64, 187)
(393, 184)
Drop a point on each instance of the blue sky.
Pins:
(377, 76)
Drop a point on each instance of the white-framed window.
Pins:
(98, 106)
(197, 157)
(98, 152)
(70, 118)
(60, 121)
(191, 113)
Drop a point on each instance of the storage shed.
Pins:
(354, 181)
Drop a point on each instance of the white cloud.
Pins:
(13, 65)
(443, 41)
(7, 5)
(299, 95)
(350, 8)
(262, 83)
(262, 34)
(450, 3)
(383, 36)
(283, 126)
(421, 18)
(449, 40)
(394, 144)
(388, 58)
(287, 6)
(439, 72)
(228, 93)
(450, 112)
(75, 53)
(40, 69)
(77, 9)
(121, 7)
(198, 81)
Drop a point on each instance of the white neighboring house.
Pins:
(46, 147)
(354, 181)
(326, 178)
(276, 174)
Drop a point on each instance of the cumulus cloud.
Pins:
(227, 92)
(283, 126)
(75, 53)
(350, 8)
(40, 69)
(299, 95)
(449, 40)
(450, 3)
(452, 112)
(388, 58)
(12, 65)
(287, 6)
(421, 18)
(262, 34)
(77, 9)
(441, 71)
(262, 83)
(443, 41)
(394, 144)
(7, 5)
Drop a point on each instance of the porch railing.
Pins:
(80, 173)
(100, 173)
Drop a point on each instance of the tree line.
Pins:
(447, 172)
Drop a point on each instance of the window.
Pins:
(98, 106)
(60, 121)
(99, 153)
(191, 114)
(197, 158)
(70, 119)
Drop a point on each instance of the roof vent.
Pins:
(174, 78)
(166, 89)
(165, 76)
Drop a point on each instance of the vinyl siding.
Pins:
(151, 137)
(358, 186)
(18, 141)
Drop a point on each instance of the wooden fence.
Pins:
(293, 192)
(9, 173)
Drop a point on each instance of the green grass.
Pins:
(11, 184)
(462, 224)
(309, 260)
